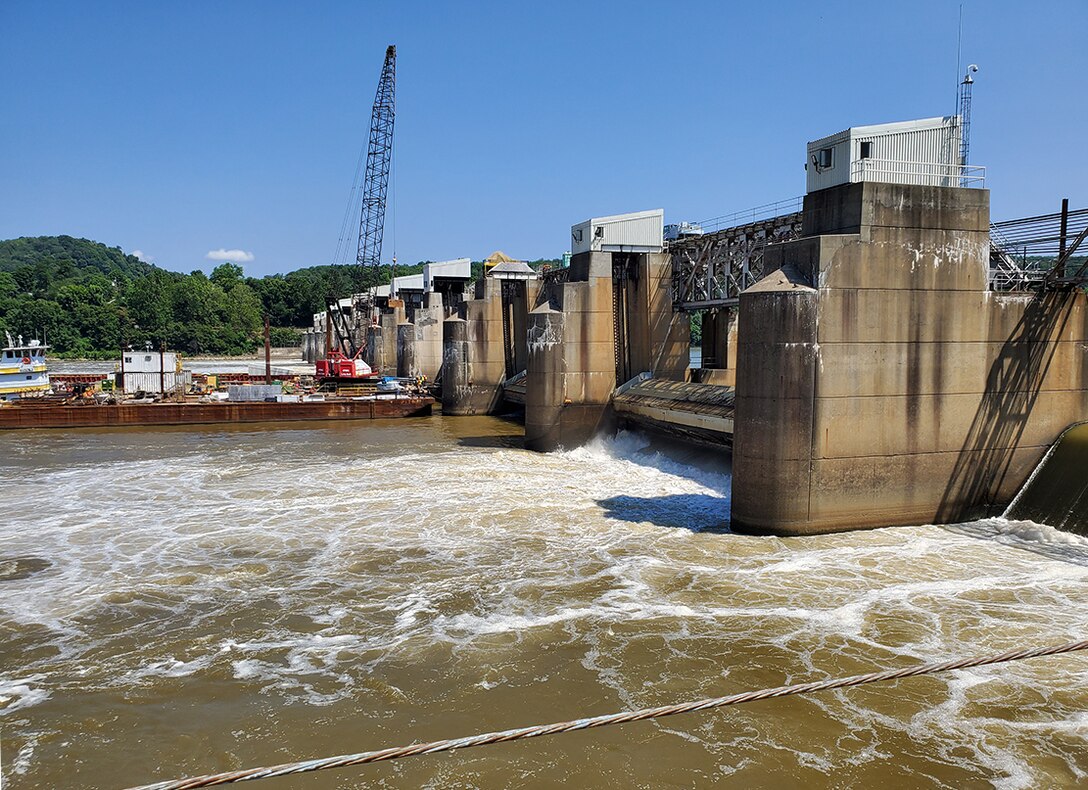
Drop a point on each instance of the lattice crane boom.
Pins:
(378, 156)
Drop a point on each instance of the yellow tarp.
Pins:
(495, 258)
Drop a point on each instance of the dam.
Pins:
(242, 596)
(873, 356)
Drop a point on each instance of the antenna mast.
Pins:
(965, 114)
(379, 152)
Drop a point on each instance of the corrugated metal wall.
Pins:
(638, 232)
(149, 382)
(937, 146)
(581, 238)
(839, 172)
(926, 155)
(641, 232)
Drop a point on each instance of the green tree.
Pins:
(226, 275)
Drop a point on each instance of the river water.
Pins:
(186, 600)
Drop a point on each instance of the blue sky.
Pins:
(178, 129)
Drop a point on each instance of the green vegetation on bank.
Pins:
(89, 298)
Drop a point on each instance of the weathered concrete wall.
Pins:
(388, 323)
(428, 341)
(572, 346)
(406, 351)
(456, 375)
(660, 338)
(476, 352)
(571, 370)
(880, 383)
(375, 348)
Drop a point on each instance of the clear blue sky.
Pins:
(181, 128)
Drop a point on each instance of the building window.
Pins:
(128, 359)
(824, 158)
(866, 149)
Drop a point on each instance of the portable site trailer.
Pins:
(152, 371)
(641, 231)
(923, 152)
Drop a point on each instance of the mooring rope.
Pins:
(361, 758)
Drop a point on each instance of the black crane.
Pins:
(375, 187)
(378, 155)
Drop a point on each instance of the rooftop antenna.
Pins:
(959, 42)
(965, 114)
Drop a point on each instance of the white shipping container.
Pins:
(924, 152)
(641, 231)
(152, 382)
(150, 361)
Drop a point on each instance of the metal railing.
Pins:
(766, 211)
(934, 174)
(1023, 252)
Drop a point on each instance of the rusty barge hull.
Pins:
(150, 414)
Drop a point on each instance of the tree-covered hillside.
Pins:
(89, 298)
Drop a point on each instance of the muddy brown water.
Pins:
(188, 600)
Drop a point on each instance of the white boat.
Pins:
(23, 372)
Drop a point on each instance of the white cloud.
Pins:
(143, 256)
(234, 256)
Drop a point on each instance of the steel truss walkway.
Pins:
(711, 270)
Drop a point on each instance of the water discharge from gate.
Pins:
(179, 601)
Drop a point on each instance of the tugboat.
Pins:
(23, 373)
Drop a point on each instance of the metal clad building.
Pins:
(641, 231)
(137, 381)
(150, 371)
(924, 152)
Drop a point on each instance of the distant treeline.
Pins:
(89, 299)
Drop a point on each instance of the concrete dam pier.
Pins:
(880, 382)
(871, 355)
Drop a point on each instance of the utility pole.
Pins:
(267, 352)
(1062, 234)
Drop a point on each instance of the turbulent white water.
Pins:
(181, 601)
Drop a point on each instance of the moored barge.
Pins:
(92, 415)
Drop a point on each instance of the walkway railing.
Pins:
(766, 211)
(934, 174)
(1024, 252)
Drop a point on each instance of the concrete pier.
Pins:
(571, 369)
(880, 382)
(428, 336)
(612, 320)
(375, 348)
(473, 350)
(388, 324)
(406, 351)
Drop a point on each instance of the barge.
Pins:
(43, 414)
